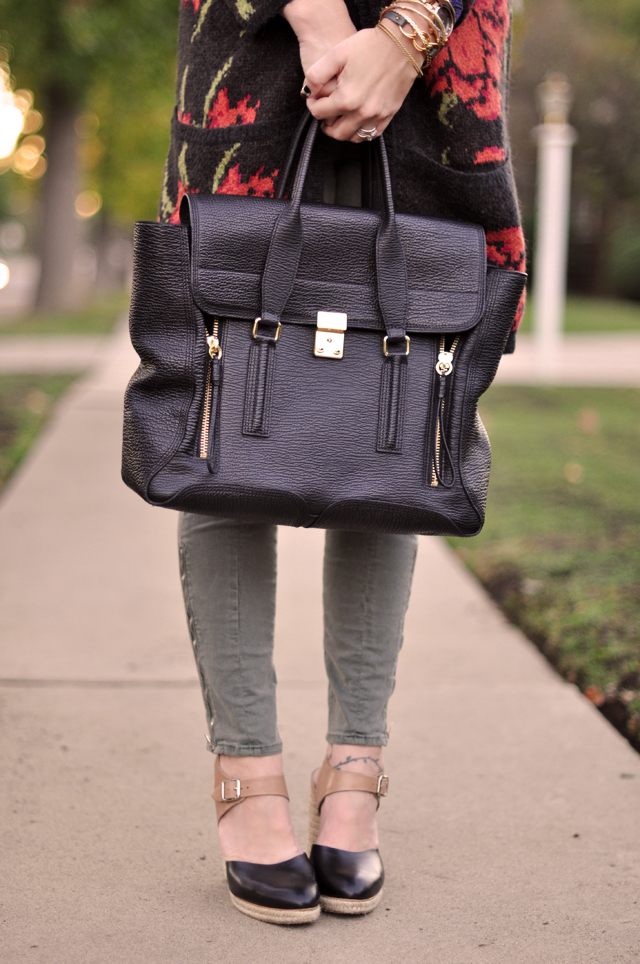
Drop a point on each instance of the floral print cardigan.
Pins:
(238, 103)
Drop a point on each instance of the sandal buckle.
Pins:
(383, 785)
(236, 787)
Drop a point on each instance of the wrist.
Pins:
(393, 28)
(312, 20)
(422, 26)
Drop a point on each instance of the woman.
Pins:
(242, 64)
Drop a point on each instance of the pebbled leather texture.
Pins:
(347, 875)
(230, 235)
(299, 440)
(289, 885)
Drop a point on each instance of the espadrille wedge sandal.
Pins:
(283, 893)
(350, 883)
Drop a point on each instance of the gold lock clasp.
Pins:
(330, 334)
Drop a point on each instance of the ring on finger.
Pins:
(367, 133)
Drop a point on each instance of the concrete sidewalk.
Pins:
(511, 833)
(51, 353)
(608, 359)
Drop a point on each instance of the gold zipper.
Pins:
(215, 351)
(444, 367)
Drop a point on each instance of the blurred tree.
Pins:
(70, 52)
(600, 55)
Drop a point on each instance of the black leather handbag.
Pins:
(314, 365)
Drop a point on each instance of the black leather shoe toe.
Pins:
(284, 893)
(350, 883)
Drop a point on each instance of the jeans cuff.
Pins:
(358, 739)
(238, 749)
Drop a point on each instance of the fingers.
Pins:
(346, 127)
(324, 70)
(342, 123)
(337, 102)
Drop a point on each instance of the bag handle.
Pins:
(294, 147)
(285, 247)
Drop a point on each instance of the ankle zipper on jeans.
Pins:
(444, 368)
(211, 386)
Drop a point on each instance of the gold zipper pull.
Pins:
(215, 351)
(444, 365)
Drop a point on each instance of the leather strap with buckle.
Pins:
(333, 781)
(229, 791)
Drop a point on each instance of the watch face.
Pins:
(445, 15)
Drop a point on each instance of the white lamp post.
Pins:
(555, 139)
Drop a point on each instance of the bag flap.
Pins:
(230, 235)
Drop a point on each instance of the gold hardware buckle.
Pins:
(237, 788)
(255, 329)
(407, 344)
(383, 785)
(329, 341)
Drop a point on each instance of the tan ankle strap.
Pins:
(333, 781)
(229, 791)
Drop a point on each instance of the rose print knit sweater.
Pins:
(238, 103)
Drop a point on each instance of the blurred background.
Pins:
(88, 89)
(86, 93)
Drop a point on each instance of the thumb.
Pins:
(324, 70)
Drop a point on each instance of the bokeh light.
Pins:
(87, 125)
(28, 154)
(32, 122)
(88, 203)
(12, 111)
(5, 274)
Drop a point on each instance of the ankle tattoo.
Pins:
(353, 759)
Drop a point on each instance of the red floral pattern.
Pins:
(505, 248)
(471, 65)
(196, 4)
(223, 115)
(489, 154)
(256, 185)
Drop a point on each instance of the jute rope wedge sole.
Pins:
(350, 883)
(340, 905)
(282, 893)
(276, 915)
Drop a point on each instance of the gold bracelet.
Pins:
(417, 33)
(402, 47)
(437, 28)
(433, 7)
(425, 9)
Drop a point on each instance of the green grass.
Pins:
(97, 318)
(26, 401)
(560, 550)
(593, 314)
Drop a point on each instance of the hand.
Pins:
(362, 82)
(319, 25)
